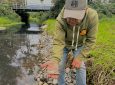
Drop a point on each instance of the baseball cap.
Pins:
(75, 9)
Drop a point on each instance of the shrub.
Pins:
(56, 9)
(6, 11)
(111, 7)
(39, 17)
(102, 9)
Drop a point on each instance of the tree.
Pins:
(57, 7)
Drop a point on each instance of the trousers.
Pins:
(80, 73)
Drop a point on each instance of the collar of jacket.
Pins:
(78, 26)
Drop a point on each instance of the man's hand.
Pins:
(76, 63)
(52, 69)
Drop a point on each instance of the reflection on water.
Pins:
(14, 48)
(20, 54)
(32, 28)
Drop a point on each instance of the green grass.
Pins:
(104, 52)
(6, 22)
(51, 25)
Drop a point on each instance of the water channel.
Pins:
(20, 55)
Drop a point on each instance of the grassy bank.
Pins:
(38, 17)
(102, 71)
(105, 49)
(8, 17)
(6, 22)
(51, 25)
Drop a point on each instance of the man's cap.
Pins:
(75, 9)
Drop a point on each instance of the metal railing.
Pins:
(18, 6)
(32, 7)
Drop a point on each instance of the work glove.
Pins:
(73, 62)
(76, 63)
(52, 69)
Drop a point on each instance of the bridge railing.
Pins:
(17, 6)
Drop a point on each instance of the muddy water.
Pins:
(20, 56)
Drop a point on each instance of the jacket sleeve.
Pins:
(58, 38)
(90, 36)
